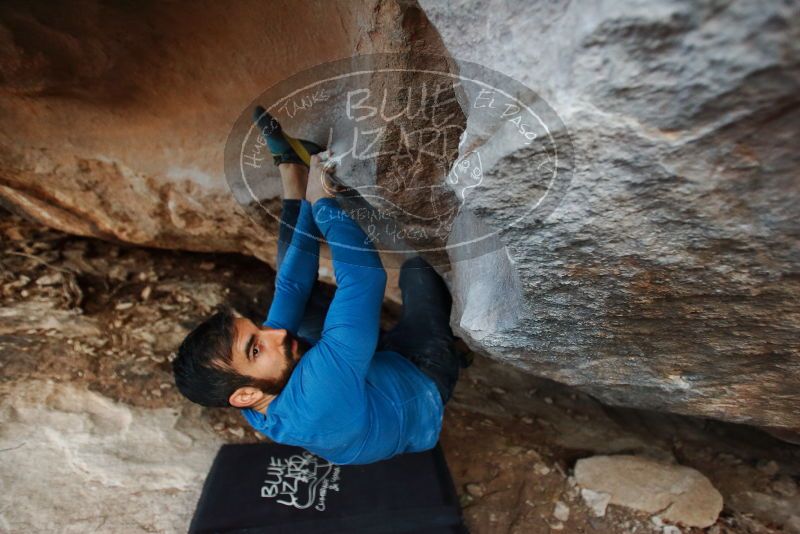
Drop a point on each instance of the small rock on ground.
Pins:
(596, 501)
(561, 511)
(685, 495)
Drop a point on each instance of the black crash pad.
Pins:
(267, 487)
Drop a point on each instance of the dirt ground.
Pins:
(107, 317)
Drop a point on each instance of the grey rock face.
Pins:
(124, 468)
(667, 277)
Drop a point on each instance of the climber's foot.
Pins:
(282, 151)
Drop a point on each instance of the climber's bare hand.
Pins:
(320, 184)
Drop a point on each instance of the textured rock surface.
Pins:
(114, 119)
(678, 494)
(761, 505)
(116, 468)
(666, 279)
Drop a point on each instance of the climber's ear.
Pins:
(247, 397)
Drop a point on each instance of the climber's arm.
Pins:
(351, 326)
(350, 334)
(297, 274)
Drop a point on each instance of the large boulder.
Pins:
(666, 278)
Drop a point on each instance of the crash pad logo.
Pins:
(436, 156)
(301, 481)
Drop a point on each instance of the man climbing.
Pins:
(317, 373)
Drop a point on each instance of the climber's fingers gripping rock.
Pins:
(321, 183)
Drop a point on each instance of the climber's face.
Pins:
(268, 355)
(262, 352)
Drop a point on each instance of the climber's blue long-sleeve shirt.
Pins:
(344, 401)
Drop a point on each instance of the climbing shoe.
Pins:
(284, 148)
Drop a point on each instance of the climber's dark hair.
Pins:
(203, 366)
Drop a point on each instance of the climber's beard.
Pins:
(293, 350)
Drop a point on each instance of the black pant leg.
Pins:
(290, 211)
(423, 334)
